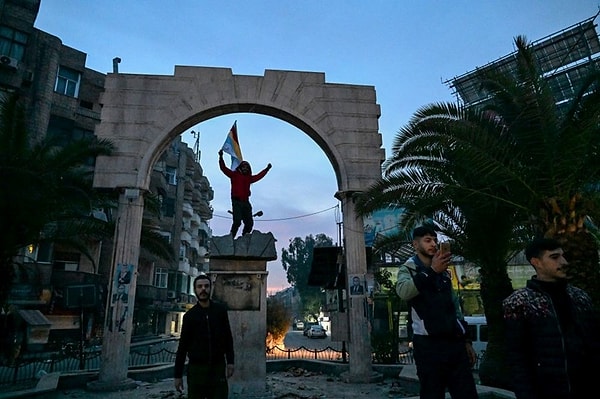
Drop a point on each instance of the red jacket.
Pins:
(240, 183)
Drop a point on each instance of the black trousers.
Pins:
(242, 212)
(443, 364)
(207, 381)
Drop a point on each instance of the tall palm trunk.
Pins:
(495, 286)
(564, 221)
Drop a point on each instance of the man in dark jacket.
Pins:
(241, 179)
(443, 353)
(552, 337)
(207, 342)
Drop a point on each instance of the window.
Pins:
(472, 332)
(12, 42)
(67, 82)
(483, 333)
(161, 277)
(40, 253)
(165, 235)
(68, 261)
(168, 207)
(171, 175)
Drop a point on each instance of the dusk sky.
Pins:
(406, 49)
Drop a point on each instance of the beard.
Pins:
(203, 297)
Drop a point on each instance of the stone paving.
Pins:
(295, 383)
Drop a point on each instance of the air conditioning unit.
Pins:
(8, 62)
(171, 294)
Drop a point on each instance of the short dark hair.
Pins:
(202, 276)
(538, 245)
(423, 231)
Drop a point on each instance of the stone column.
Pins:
(238, 270)
(121, 295)
(359, 346)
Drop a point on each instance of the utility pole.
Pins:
(196, 148)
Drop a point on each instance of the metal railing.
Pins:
(329, 353)
(25, 372)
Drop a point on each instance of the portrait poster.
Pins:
(119, 309)
(356, 285)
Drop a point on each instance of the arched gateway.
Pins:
(142, 114)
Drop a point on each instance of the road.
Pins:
(295, 339)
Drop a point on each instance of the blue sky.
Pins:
(406, 49)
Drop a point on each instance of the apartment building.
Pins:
(57, 287)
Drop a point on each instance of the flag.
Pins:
(232, 147)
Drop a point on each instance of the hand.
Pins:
(440, 261)
(220, 153)
(229, 370)
(269, 166)
(178, 382)
(471, 354)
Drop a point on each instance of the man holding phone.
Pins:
(442, 351)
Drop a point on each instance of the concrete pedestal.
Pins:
(238, 269)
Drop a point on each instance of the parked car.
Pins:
(307, 327)
(316, 331)
(478, 331)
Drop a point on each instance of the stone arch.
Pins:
(142, 114)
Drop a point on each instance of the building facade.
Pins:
(57, 283)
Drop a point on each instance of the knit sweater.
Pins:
(552, 341)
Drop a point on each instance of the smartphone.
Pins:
(445, 247)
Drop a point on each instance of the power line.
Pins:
(283, 219)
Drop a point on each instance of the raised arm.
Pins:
(261, 174)
(228, 172)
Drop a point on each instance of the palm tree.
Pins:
(46, 188)
(47, 194)
(422, 178)
(558, 169)
(495, 176)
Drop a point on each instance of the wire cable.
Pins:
(283, 219)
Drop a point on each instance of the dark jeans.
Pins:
(207, 382)
(443, 363)
(242, 212)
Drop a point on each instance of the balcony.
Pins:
(204, 227)
(188, 211)
(184, 265)
(186, 237)
(150, 293)
(61, 278)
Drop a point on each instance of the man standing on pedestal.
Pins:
(241, 179)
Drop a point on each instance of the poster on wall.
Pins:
(239, 292)
(120, 297)
(356, 285)
(383, 222)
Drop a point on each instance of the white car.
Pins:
(478, 331)
(316, 331)
(299, 325)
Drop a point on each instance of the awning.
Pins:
(34, 317)
(325, 270)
